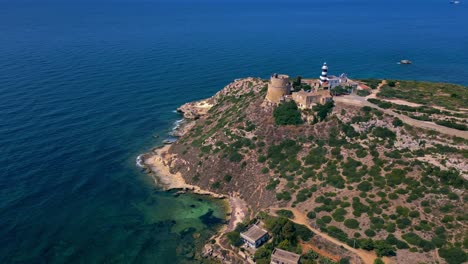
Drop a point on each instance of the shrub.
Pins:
(366, 243)
(326, 219)
(382, 248)
(397, 122)
(216, 185)
(235, 157)
(337, 233)
(453, 255)
(365, 186)
(384, 132)
(227, 178)
(287, 113)
(285, 213)
(369, 232)
(416, 240)
(261, 159)
(311, 215)
(339, 214)
(351, 223)
(414, 214)
(234, 238)
(379, 261)
(323, 110)
(285, 195)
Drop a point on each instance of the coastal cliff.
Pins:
(371, 169)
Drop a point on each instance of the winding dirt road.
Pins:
(362, 101)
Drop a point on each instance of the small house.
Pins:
(280, 256)
(254, 236)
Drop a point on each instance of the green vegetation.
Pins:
(340, 90)
(453, 255)
(285, 213)
(363, 93)
(450, 96)
(323, 110)
(372, 83)
(347, 169)
(286, 235)
(351, 223)
(287, 113)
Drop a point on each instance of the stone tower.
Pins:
(278, 86)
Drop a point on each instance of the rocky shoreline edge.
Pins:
(157, 164)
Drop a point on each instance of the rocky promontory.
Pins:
(358, 170)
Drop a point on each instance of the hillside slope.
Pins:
(360, 175)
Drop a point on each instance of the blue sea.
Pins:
(85, 85)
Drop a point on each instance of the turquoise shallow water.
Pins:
(85, 85)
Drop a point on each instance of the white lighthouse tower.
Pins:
(323, 77)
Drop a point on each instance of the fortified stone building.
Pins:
(280, 89)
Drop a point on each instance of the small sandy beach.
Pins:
(157, 163)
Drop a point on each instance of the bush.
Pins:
(397, 122)
(285, 213)
(283, 196)
(337, 233)
(287, 113)
(383, 132)
(453, 255)
(382, 248)
(339, 214)
(216, 185)
(378, 261)
(363, 93)
(326, 219)
(416, 240)
(227, 178)
(369, 233)
(235, 157)
(452, 125)
(234, 238)
(323, 110)
(311, 215)
(351, 223)
(365, 186)
(261, 159)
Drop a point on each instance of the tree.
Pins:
(366, 244)
(234, 238)
(287, 113)
(323, 110)
(284, 245)
(453, 255)
(382, 248)
(378, 261)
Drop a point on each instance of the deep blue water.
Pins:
(84, 85)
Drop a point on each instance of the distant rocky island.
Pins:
(333, 170)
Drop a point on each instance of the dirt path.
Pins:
(361, 101)
(300, 218)
(377, 90)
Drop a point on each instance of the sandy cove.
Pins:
(162, 175)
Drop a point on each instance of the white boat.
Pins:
(455, 2)
(406, 62)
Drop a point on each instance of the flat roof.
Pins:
(254, 233)
(285, 256)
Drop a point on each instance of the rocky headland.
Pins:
(361, 171)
